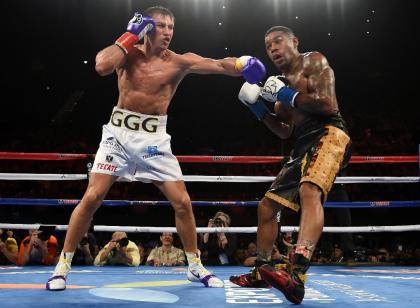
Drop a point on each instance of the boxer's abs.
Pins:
(142, 103)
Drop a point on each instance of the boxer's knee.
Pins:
(182, 205)
(92, 200)
(310, 193)
(267, 210)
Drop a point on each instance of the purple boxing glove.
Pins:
(137, 28)
(140, 25)
(252, 69)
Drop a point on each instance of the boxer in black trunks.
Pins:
(305, 107)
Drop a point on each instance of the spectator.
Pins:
(8, 248)
(86, 251)
(220, 247)
(142, 252)
(337, 254)
(38, 248)
(119, 251)
(288, 244)
(276, 256)
(383, 255)
(251, 254)
(167, 254)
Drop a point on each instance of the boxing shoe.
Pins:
(289, 282)
(251, 280)
(57, 282)
(198, 273)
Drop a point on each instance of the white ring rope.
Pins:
(364, 229)
(217, 178)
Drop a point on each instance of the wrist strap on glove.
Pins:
(259, 109)
(287, 95)
(126, 41)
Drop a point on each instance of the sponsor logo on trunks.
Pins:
(152, 151)
(109, 158)
(107, 167)
(134, 122)
(111, 144)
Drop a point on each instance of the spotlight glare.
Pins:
(220, 23)
(85, 62)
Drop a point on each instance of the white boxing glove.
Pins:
(249, 95)
(276, 90)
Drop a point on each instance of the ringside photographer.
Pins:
(220, 246)
(119, 251)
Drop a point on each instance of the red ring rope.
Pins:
(209, 159)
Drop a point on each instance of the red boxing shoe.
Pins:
(250, 280)
(284, 280)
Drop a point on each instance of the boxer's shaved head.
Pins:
(283, 29)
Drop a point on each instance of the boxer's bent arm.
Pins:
(320, 98)
(199, 65)
(109, 59)
(278, 127)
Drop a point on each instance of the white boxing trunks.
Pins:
(136, 147)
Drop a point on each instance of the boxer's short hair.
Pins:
(283, 29)
(159, 10)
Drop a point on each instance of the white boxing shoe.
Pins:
(57, 282)
(200, 274)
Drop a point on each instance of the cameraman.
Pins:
(119, 251)
(220, 246)
(8, 248)
(86, 251)
(38, 248)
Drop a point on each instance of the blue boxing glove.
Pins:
(137, 28)
(249, 95)
(276, 90)
(252, 69)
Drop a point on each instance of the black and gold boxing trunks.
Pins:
(318, 155)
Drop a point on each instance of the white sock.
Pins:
(67, 255)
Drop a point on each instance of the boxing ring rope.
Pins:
(214, 178)
(206, 159)
(328, 204)
(99, 228)
(200, 178)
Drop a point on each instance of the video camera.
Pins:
(219, 222)
(123, 242)
(46, 232)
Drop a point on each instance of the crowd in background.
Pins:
(379, 136)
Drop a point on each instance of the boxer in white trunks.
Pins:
(135, 145)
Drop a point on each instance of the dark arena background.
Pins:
(55, 102)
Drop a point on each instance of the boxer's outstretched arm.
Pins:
(252, 69)
(109, 59)
(195, 64)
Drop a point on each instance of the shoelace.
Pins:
(63, 268)
(201, 271)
